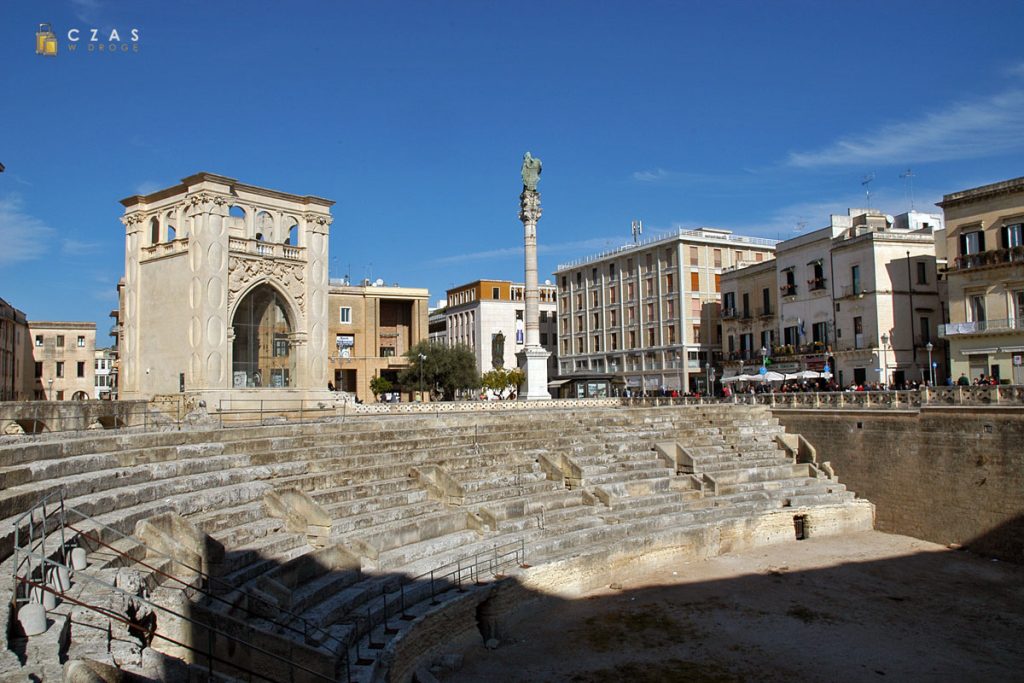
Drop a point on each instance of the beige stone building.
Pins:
(225, 292)
(859, 297)
(372, 326)
(61, 356)
(749, 314)
(985, 273)
(638, 317)
(13, 340)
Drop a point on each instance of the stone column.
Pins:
(533, 358)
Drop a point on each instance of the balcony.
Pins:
(788, 290)
(728, 313)
(816, 284)
(267, 249)
(848, 291)
(1001, 326)
(988, 259)
(765, 312)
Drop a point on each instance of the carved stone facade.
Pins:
(225, 289)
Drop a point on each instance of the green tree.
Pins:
(499, 380)
(441, 369)
(380, 385)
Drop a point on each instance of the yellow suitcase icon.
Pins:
(46, 41)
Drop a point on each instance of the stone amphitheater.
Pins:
(353, 549)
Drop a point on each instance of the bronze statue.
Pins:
(531, 172)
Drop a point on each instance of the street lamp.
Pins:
(422, 358)
(764, 354)
(931, 368)
(885, 362)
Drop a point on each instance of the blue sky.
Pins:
(414, 116)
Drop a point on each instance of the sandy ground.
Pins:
(867, 606)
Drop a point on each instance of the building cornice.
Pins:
(981, 193)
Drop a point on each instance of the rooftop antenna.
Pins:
(908, 176)
(800, 226)
(638, 229)
(867, 188)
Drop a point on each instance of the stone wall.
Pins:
(947, 475)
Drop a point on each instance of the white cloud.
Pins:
(87, 10)
(24, 237)
(148, 187)
(652, 176)
(70, 247)
(545, 249)
(966, 130)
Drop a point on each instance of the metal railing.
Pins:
(37, 572)
(992, 257)
(1004, 394)
(981, 326)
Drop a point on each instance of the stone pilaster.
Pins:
(209, 356)
(318, 321)
(128, 379)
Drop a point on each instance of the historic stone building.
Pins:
(225, 292)
(749, 310)
(372, 327)
(861, 297)
(985, 245)
(13, 335)
(59, 361)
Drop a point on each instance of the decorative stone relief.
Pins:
(289, 276)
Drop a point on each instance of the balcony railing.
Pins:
(851, 290)
(765, 312)
(267, 249)
(982, 327)
(816, 284)
(992, 257)
(788, 290)
(728, 313)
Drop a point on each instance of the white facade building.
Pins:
(489, 316)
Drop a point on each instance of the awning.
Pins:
(555, 383)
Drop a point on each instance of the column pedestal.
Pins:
(534, 362)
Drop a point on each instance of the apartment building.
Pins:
(13, 336)
(489, 316)
(861, 297)
(372, 326)
(985, 273)
(62, 358)
(644, 316)
(750, 308)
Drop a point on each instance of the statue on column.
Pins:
(531, 172)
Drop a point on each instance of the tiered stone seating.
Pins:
(405, 496)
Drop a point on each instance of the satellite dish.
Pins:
(547, 282)
(379, 282)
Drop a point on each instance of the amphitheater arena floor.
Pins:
(860, 607)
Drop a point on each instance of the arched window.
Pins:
(80, 396)
(170, 220)
(154, 231)
(265, 226)
(292, 233)
(262, 355)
